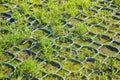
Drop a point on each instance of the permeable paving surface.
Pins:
(93, 55)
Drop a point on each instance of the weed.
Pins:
(29, 67)
(4, 71)
(117, 2)
(80, 29)
(46, 44)
(60, 31)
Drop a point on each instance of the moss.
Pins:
(95, 45)
(110, 19)
(40, 74)
(89, 12)
(103, 39)
(93, 20)
(90, 35)
(3, 9)
(117, 2)
(5, 71)
(114, 28)
(24, 55)
(85, 52)
(116, 44)
(110, 34)
(80, 29)
(63, 72)
(100, 57)
(59, 59)
(75, 77)
(105, 12)
(76, 66)
(67, 53)
(15, 62)
(85, 71)
(39, 33)
(95, 29)
(82, 41)
(118, 56)
(41, 54)
(35, 48)
(13, 50)
(81, 16)
(52, 77)
(63, 41)
(49, 67)
(117, 37)
(95, 65)
(108, 50)
(75, 22)
(5, 57)
(99, 76)
(60, 31)
(75, 46)
(24, 45)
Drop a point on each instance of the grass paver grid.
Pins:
(74, 56)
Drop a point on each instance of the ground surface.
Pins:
(81, 47)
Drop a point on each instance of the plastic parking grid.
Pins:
(100, 44)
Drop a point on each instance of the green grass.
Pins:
(13, 38)
(46, 44)
(117, 2)
(3, 9)
(41, 23)
(29, 67)
(4, 71)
